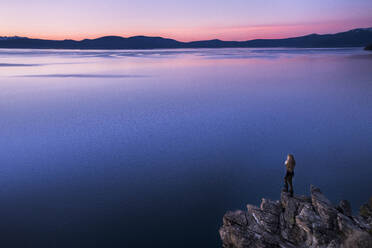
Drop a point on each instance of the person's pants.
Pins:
(288, 180)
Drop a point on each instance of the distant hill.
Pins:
(360, 37)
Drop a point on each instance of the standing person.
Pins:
(290, 164)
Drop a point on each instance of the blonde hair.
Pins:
(290, 159)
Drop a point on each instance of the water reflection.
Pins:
(119, 148)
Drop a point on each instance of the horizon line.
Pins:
(165, 37)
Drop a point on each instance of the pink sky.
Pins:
(184, 20)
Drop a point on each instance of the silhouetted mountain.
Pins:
(354, 38)
(369, 47)
(10, 37)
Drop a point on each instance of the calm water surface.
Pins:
(150, 148)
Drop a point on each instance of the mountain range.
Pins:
(353, 38)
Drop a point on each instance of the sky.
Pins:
(184, 20)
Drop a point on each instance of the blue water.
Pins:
(151, 148)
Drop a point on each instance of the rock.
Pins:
(358, 240)
(267, 215)
(235, 218)
(369, 47)
(323, 207)
(347, 225)
(344, 207)
(309, 221)
(366, 211)
(365, 216)
(298, 221)
(333, 244)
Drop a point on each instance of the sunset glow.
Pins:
(181, 20)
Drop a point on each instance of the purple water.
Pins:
(151, 148)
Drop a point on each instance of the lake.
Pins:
(149, 148)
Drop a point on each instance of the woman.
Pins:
(290, 164)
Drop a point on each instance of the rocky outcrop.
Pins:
(298, 221)
(368, 48)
